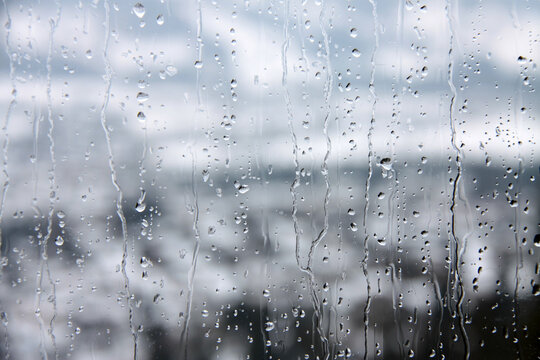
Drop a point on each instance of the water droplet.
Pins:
(243, 189)
(140, 206)
(354, 33)
(160, 20)
(145, 262)
(386, 163)
(198, 64)
(142, 97)
(356, 53)
(537, 240)
(266, 293)
(88, 54)
(171, 70)
(138, 9)
(4, 318)
(205, 175)
(141, 116)
(204, 313)
(59, 241)
(326, 286)
(269, 326)
(354, 226)
(61, 214)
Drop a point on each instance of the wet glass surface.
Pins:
(273, 179)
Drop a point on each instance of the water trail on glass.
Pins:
(5, 133)
(5, 172)
(517, 209)
(290, 118)
(191, 274)
(114, 176)
(456, 258)
(368, 180)
(324, 169)
(52, 182)
(184, 336)
(396, 118)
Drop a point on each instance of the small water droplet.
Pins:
(88, 54)
(354, 226)
(59, 241)
(171, 70)
(354, 33)
(145, 262)
(356, 53)
(160, 20)
(269, 326)
(141, 116)
(140, 206)
(4, 318)
(243, 189)
(142, 97)
(198, 64)
(537, 240)
(139, 10)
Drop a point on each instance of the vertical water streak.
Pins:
(184, 336)
(5, 133)
(4, 320)
(396, 117)
(327, 92)
(114, 176)
(517, 209)
(324, 169)
(52, 181)
(365, 270)
(290, 119)
(395, 310)
(456, 258)
(263, 181)
(437, 290)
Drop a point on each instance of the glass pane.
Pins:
(264, 179)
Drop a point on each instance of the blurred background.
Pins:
(269, 179)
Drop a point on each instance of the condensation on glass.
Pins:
(269, 179)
